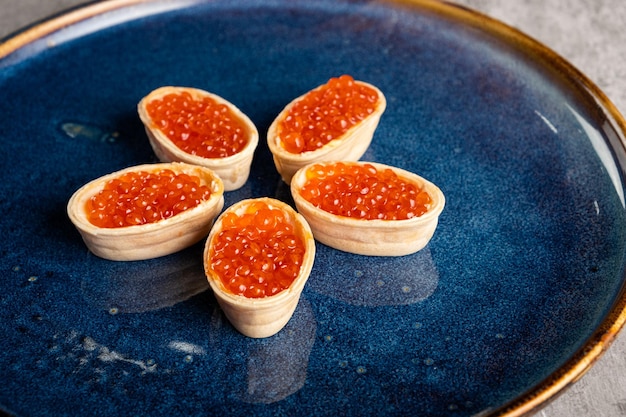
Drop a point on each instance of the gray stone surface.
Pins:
(589, 34)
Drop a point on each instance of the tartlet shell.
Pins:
(149, 240)
(234, 170)
(371, 237)
(349, 147)
(262, 317)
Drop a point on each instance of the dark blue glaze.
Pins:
(527, 260)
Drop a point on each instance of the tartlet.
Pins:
(261, 314)
(232, 168)
(152, 239)
(349, 146)
(374, 237)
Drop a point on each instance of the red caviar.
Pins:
(325, 114)
(257, 253)
(361, 191)
(198, 126)
(136, 198)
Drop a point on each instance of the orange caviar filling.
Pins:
(142, 197)
(258, 253)
(364, 192)
(198, 126)
(325, 114)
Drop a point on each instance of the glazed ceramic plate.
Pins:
(519, 291)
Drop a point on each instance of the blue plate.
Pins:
(519, 291)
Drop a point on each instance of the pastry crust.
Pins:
(234, 170)
(348, 147)
(150, 240)
(371, 237)
(262, 317)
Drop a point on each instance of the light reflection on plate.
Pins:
(135, 287)
(367, 281)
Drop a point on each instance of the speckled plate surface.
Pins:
(519, 291)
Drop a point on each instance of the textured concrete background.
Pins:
(591, 35)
